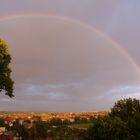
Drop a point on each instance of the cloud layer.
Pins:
(62, 65)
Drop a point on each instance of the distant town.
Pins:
(10, 117)
(12, 122)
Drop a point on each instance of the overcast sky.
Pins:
(71, 55)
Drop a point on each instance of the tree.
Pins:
(107, 128)
(41, 129)
(20, 130)
(125, 108)
(77, 120)
(56, 121)
(6, 83)
(122, 123)
(66, 122)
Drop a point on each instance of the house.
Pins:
(7, 136)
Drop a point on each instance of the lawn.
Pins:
(81, 126)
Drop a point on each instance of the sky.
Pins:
(71, 55)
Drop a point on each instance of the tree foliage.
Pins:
(6, 83)
(41, 129)
(56, 121)
(125, 108)
(20, 130)
(122, 123)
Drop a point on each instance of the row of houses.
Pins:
(9, 118)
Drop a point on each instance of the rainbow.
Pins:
(114, 43)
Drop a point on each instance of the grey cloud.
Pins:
(62, 65)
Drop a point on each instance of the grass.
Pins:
(81, 126)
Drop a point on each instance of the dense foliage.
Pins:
(6, 83)
(122, 123)
(40, 129)
(126, 109)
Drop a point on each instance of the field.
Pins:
(81, 126)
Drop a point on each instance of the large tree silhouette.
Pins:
(6, 83)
